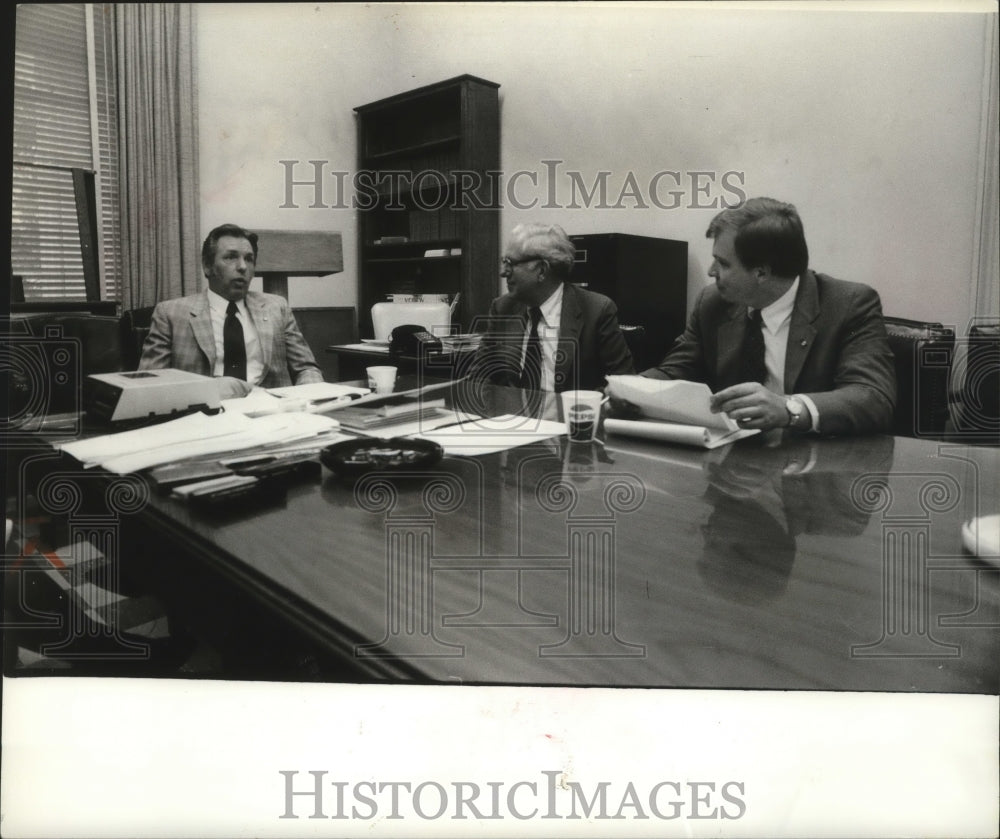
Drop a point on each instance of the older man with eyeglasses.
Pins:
(546, 333)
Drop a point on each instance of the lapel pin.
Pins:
(803, 342)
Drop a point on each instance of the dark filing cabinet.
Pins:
(647, 279)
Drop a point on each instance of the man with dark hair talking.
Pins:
(241, 337)
(779, 345)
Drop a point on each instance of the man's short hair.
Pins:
(768, 232)
(548, 242)
(212, 241)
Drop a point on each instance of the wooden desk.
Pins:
(816, 564)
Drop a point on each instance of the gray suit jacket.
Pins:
(181, 337)
(838, 353)
(591, 345)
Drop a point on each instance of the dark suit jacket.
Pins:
(181, 337)
(591, 345)
(838, 353)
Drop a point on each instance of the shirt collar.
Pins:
(552, 307)
(218, 303)
(775, 314)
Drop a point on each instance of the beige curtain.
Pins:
(158, 137)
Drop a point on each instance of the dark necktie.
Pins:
(752, 355)
(234, 347)
(531, 371)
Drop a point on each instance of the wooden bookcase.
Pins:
(425, 159)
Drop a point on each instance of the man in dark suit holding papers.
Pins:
(779, 345)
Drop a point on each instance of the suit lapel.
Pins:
(729, 343)
(257, 307)
(201, 326)
(570, 327)
(801, 331)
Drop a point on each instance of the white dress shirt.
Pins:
(548, 337)
(217, 305)
(775, 321)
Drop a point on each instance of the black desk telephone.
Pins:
(410, 339)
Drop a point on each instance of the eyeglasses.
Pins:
(508, 264)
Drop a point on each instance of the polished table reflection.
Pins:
(788, 563)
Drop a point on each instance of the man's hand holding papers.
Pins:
(673, 411)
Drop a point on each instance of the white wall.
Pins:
(869, 122)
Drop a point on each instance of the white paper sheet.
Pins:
(274, 429)
(258, 401)
(191, 427)
(315, 391)
(672, 432)
(196, 435)
(382, 348)
(494, 434)
(673, 401)
(413, 428)
(315, 398)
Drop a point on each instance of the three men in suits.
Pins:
(545, 333)
(241, 337)
(820, 349)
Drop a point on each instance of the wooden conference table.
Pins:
(810, 564)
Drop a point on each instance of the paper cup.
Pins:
(382, 379)
(582, 413)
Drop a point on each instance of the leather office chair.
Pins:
(924, 353)
(635, 340)
(133, 328)
(977, 410)
(60, 350)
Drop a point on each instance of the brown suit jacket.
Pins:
(180, 336)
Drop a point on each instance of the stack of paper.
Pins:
(391, 412)
(318, 391)
(195, 435)
(494, 434)
(315, 397)
(673, 412)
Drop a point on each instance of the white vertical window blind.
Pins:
(64, 119)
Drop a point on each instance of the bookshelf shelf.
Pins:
(403, 259)
(444, 128)
(416, 148)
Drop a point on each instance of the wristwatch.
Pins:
(796, 408)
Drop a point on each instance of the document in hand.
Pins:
(673, 411)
